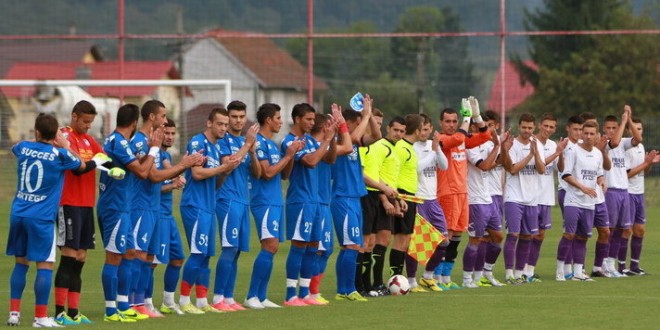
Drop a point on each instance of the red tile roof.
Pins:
(515, 90)
(273, 67)
(95, 71)
(45, 51)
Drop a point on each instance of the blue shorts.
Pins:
(33, 239)
(169, 245)
(200, 230)
(234, 223)
(301, 222)
(347, 218)
(116, 230)
(269, 220)
(144, 225)
(325, 216)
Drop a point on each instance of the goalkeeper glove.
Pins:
(117, 173)
(101, 159)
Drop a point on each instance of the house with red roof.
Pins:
(515, 88)
(27, 102)
(260, 71)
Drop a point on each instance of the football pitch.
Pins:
(622, 303)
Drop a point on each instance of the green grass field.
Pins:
(605, 304)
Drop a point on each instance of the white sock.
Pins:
(578, 269)
(428, 274)
(467, 277)
(201, 302)
(446, 279)
(568, 269)
(315, 295)
(517, 273)
(488, 274)
(412, 281)
(438, 278)
(184, 300)
(529, 270)
(168, 298)
(560, 266)
(508, 273)
(149, 302)
(230, 301)
(218, 298)
(478, 274)
(597, 269)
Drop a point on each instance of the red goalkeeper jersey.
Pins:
(80, 190)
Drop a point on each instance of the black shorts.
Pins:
(374, 216)
(406, 225)
(75, 227)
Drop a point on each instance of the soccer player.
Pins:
(583, 170)
(452, 182)
(170, 250)
(113, 211)
(380, 167)
(41, 167)
(551, 152)
(430, 159)
(232, 205)
(640, 164)
(145, 204)
(616, 196)
(302, 228)
(407, 184)
(76, 217)
(347, 190)
(197, 210)
(267, 204)
(483, 220)
(524, 165)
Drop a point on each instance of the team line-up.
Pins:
(346, 182)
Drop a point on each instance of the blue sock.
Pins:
(223, 269)
(150, 286)
(309, 268)
(136, 280)
(339, 269)
(449, 266)
(18, 280)
(171, 278)
(323, 261)
(42, 286)
(124, 274)
(191, 268)
(109, 281)
(293, 266)
(231, 282)
(268, 270)
(142, 283)
(439, 269)
(259, 269)
(349, 260)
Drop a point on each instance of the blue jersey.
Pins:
(115, 194)
(145, 194)
(324, 171)
(201, 193)
(347, 175)
(235, 185)
(267, 192)
(165, 197)
(40, 170)
(303, 181)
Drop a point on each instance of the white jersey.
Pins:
(585, 166)
(476, 178)
(635, 157)
(547, 188)
(617, 176)
(494, 178)
(562, 183)
(427, 164)
(523, 188)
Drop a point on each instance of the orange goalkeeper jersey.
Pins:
(80, 190)
(453, 180)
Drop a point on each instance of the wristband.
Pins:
(153, 151)
(343, 128)
(478, 119)
(466, 120)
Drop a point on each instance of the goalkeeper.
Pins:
(75, 234)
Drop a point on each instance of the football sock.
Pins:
(259, 269)
(17, 284)
(293, 265)
(109, 279)
(359, 269)
(579, 252)
(378, 257)
(365, 275)
(615, 241)
(601, 253)
(268, 270)
(436, 258)
(339, 269)
(42, 284)
(349, 269)
(522, 251)
(623, 252)
(397, 259)
(63, 282)
(75, 287)
(231, 282)
(470, 257)
(171, 278)
(189, 276)
(481, 257)
(635, 251)
(510, 251)
(411, 266)
(124, 275)
(307, 270)
(492, 253)
(223, 269)
(534, 251)
(202, 285)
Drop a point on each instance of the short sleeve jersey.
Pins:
(80, 190)
(523, 187)
(427, 181)
(635, 157)
(235, 185)
(145, 194)
(585, 166)
(408, 172)
(381, 164)
(303, 181)
(347, 175)
(476, 177)
(617, 176)
(40, 172)
(562, 184)
(165, 197)
(115, 194)
(267, 192)
(201, 193)
(547, 187)
(493, 178)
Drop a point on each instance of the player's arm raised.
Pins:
(344, 140)
(142, 168)
(357, 136)
(310, 160)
